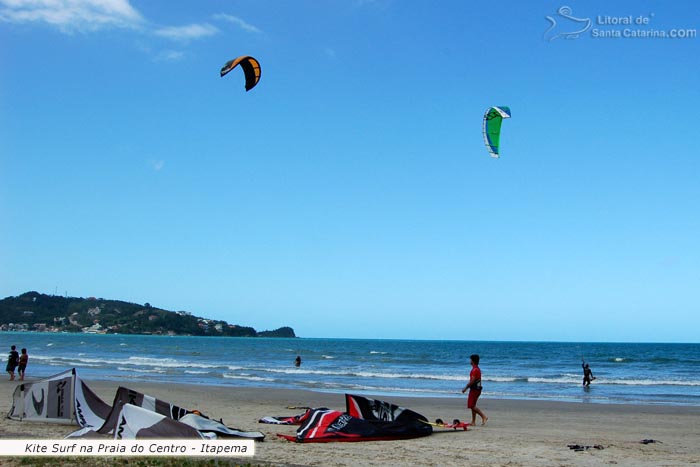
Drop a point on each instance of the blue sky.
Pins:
(350, 194)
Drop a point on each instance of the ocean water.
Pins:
(626, 373)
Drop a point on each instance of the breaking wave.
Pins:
(647, 373)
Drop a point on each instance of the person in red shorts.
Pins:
(474, 387)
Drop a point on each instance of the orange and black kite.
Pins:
(251, 69)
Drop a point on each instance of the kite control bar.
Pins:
(456, 424)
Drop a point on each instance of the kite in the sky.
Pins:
(492, 128)
(251, 69)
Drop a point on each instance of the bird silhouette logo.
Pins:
(570, 26)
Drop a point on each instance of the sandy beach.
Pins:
(519, 433)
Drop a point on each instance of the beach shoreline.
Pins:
(626, 373)
(519, 433)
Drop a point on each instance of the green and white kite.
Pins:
(492, 128)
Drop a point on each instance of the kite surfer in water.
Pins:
(587, 374)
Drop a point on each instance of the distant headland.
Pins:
(33, 311)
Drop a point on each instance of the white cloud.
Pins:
(238, 22)
(72, 15)
(185, 33)
(170, 56)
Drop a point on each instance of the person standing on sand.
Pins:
(475, 387)
(23, 360)
(12, 362)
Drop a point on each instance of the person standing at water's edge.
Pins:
(587, 373)
(475, 387)
(23, 360)
(12, 362)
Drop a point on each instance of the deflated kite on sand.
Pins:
(65, 398)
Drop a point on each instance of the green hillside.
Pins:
(33, 311)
